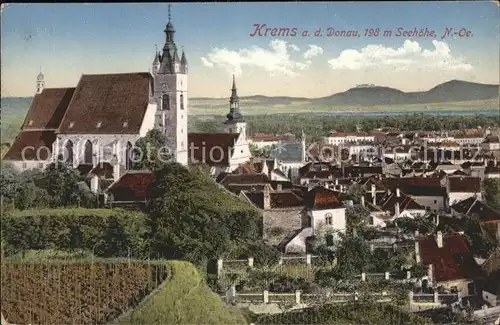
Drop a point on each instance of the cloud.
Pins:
(410, 55)
(313, 51)
(207, 63)
(276, 59)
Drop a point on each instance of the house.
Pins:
(425, 191)
(340, 138)
(469, 138)
(291, 156)
(131, 189)
(474, 168)
(377, 218)
(223, 152)
(449, 261)
(282, 211)
(460, 188)
(491, 143)
(488, 217)
(401, 205)
(324, 210)
(261, 140)
(400, 153)
(492, 170)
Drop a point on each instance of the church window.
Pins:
(165, 101)
(182, 101)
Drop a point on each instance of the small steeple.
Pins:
(184, 64)
(169, 58)
(40, 82)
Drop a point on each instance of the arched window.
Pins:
(68, 152)
(88, 153)
(165, 102)
(182, 101)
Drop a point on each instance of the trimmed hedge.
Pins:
(105, 232)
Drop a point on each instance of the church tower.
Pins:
(170, 94)
(40, 83)
(235, 122)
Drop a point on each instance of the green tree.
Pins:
(492, 193)
(62, 184)
(356, 217)
(152, 151)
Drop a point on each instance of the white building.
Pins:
(460, 188)
(339, 138)
(99, 121)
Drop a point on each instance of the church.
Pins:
(95, 125)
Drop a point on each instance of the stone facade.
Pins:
(287, 220)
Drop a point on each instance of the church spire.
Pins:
(234, 105)
(169, 59)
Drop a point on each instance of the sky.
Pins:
(68, 40)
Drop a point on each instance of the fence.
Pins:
(432, 298)
(383, 276)
(299, 297)
(240, 265)
(388, 247)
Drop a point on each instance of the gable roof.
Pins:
(28, 143)
(389, 201)
(132, 186)
(108, 104)
(213, 149)
(278, 200)
(471, 206)
(320, 198)
(453, 261)
(248, 179)
(47, 109)
(464, 184)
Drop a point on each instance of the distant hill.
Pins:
(450, 91)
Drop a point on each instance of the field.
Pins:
(254, 107)
(73, 292)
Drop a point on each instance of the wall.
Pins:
(318, 219)
(148, 123)
(460, 196)
(288, 220)
(28, 164)
(428, 201)
(491, 298)
(461, 285)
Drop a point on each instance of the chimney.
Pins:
(439, 239)
(398, 194)
(417, 251)
(362, 200)
(267, 198)
(396, 209)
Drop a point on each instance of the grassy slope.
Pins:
(184, 299)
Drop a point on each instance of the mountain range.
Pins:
(450, 91)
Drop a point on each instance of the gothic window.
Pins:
(87, 153)
(68, 152)
(165, 102)
(182, 101)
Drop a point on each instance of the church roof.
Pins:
(108, 104)
(211, 148)
(36, 142)
(47, 109)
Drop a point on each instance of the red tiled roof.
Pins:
(464, 184)
(451, 262)
(132, 186)
(213, 149)
(320, 198)
(117, 101)
(32, 142)
(47, 109)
